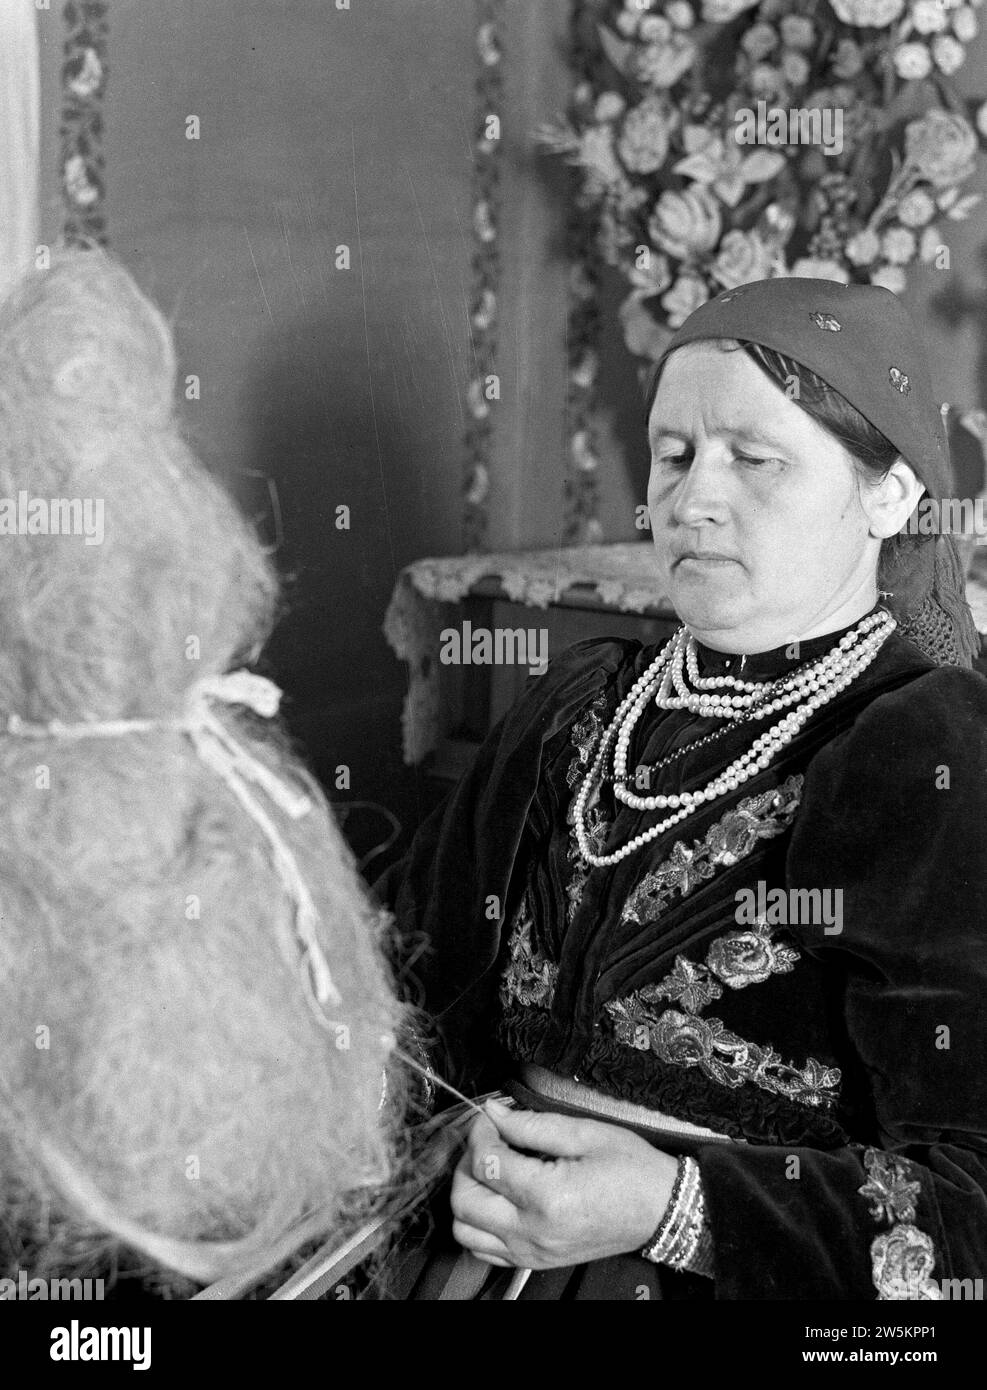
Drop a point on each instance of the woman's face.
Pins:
(755, 509)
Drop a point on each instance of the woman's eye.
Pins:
(678, 462)
(754, 459)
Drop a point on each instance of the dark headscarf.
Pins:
(861, 341)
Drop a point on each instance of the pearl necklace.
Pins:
(808, 689)
(747, 716)
(683, 663)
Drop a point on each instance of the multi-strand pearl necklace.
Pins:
(807, 689)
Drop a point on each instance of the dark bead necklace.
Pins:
(707, 738)
(680, 752)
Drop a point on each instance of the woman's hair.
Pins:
(829, 408)
(870, 449)
(165, 1083)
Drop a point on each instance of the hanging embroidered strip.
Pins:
(484, 387)
(84, 74)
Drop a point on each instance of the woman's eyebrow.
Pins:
(751, 434)
(667, 432)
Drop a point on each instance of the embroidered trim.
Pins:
(586, 734)
(743, 1112)
(731, 839)
(890, 1187)
(902, 1258)
(83, 160)
(687, 984)
(530, 976)
(584, 737)
(738, 959)
(683, 1040)
(742, 958)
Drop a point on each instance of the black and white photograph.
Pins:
(493, 638)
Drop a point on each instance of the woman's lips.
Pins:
(704, 560)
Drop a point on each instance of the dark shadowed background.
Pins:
(323, 387)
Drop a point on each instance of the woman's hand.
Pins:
(602, 1192)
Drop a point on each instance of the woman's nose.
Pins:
(698, 497)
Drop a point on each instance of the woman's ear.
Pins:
(889, 503)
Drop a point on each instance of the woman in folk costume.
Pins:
(196, 1019)
(736, 981)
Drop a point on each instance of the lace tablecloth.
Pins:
(623, 576)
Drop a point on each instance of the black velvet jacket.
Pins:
(845, 1054)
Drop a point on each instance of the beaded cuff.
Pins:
(683, 1240)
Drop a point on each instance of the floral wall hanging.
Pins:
(730, 140)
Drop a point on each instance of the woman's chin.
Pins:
(707, 611)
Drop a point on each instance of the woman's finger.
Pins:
(480, 1243)
(481, 1131)
(494, 1164)
(490, 1162)
(475, 1204)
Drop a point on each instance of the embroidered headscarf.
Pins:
(861, 341)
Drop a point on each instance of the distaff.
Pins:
(181, 921)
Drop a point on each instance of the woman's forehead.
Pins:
(725, 392)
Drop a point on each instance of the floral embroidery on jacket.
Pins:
(735, 960)
(530, 976)
(731, 839)
(686, 1041)
(687, 984)
(586, 734)
(902, 1258)
(584, 737)
(742, 958)
(738, 959)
